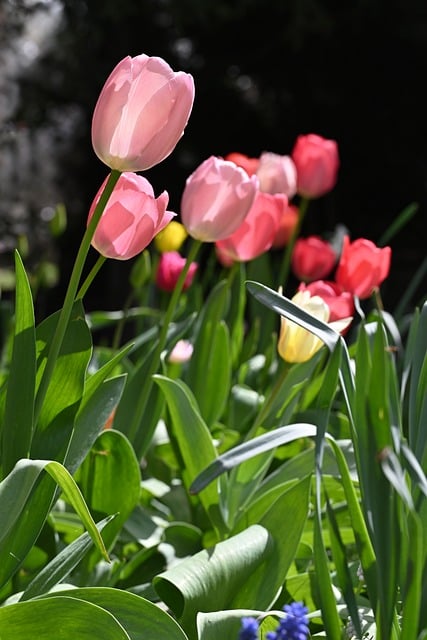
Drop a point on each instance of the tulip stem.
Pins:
(67, 307)
(143, 398)
(286, 264)
(90, 277)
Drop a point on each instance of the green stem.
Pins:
(143, 398)
(286, 264)
(65, 314)
(90, 277)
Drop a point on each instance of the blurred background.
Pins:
(265, 72)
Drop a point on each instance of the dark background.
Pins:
(265, 71)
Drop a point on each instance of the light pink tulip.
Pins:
(257, 232)
(131, 218)
(216, 199)
(317, 163)
(277, 174)
(141, 113)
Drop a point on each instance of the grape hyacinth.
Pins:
(249, 629)
(294, 626)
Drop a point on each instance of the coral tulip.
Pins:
(340, 303)
(171, 238)
(317, 163)
(131, 218)
(312, 258)
(141, 113)
(256, 233)
(288, 222)
(362, 267)
(169, 269)
(250, 165)
(216, 199)
(277, 174)
(297, 344)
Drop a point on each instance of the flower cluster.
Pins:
(292, 626)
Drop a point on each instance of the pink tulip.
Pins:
(312, 258)
(362, 267)
(257, 232)
(340, 303)
(131, 218)
(277, 174)
(317, 163)
(171, 264)
(141, 113)
(216, 199)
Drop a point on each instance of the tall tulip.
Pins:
(131, 218)
(258, 230)
(362, 266)
(317, 162)
(141, 113)
(297, 344)
(312, 258)
(277, 174)
(216, 199)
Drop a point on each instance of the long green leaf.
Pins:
(60, 617)
(247, 450)
(19, 410)
(61, 565)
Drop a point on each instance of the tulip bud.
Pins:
(362, 267)
(317, 163)
(250, 165)
(141, 113)
(131, 218)
(216, 199)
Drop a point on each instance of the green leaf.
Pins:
(247, 450)
(192, 435)
(25, 500)
(65, 391)
(142, 619)
(110, 479)
(19, 409)
(61, 565)
(211, 579)
(92, 415)
(64, 617)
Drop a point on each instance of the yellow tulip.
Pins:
(297, 344)
(171, 238)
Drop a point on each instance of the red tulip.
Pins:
(216, 199)
(141, 113)
(171, 264)
(340, 303)
(277, 174)
(312, 258)
(257, 232)
(131, 218)
(362, 267)
(317, 163)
